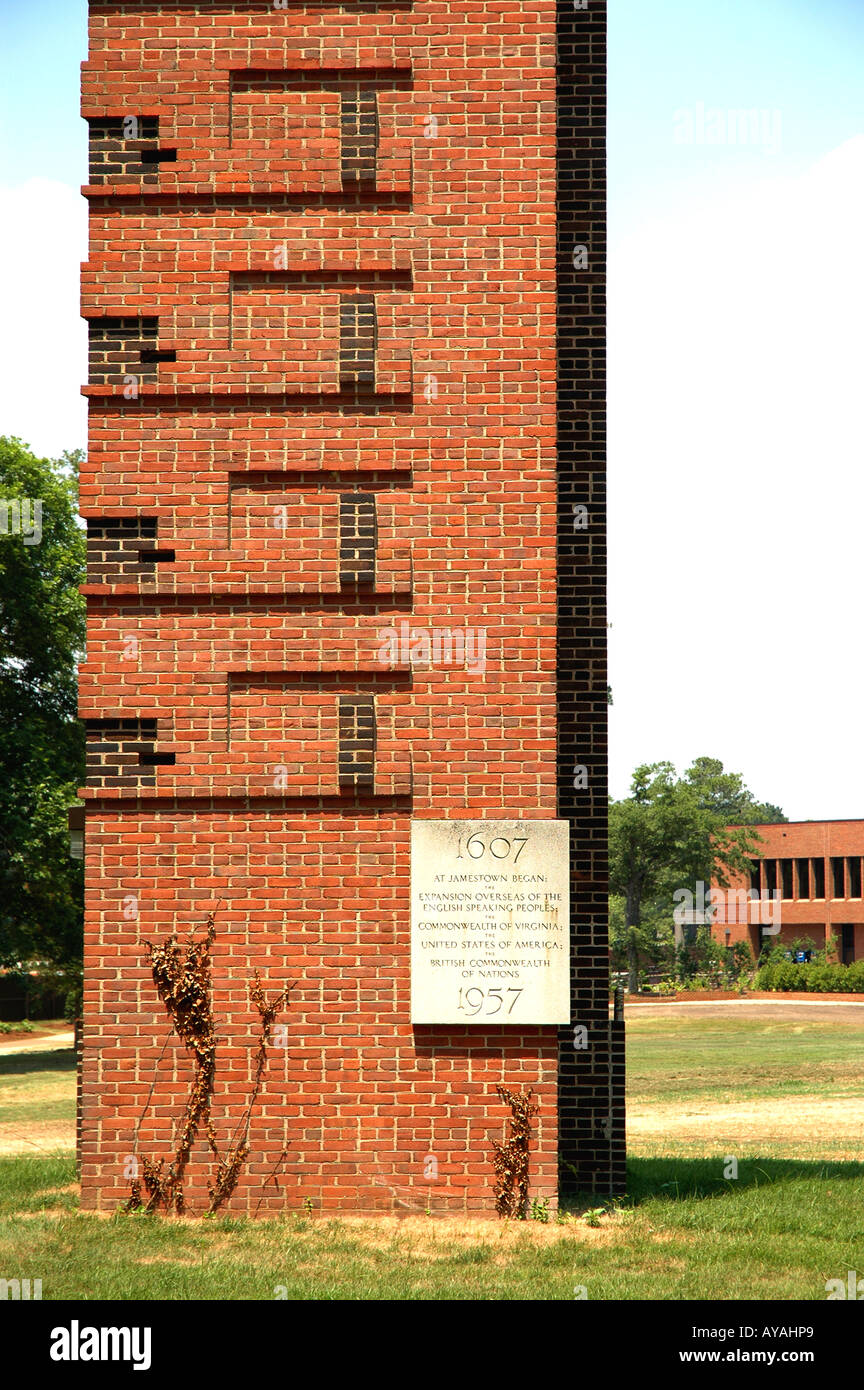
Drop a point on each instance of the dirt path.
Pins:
(808, 1128)
(789, 1010)
(46, 1037)
(783, 1117)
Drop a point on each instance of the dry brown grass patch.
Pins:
(45, 1135)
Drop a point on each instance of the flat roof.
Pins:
(779, 824)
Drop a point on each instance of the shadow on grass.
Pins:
(678, 1179)
(19, 1063)
(29, 1182)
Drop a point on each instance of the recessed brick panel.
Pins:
(124, 550)
(357, 742)
(124, 752)
(357, 539)
(126, 147)
(121, 347)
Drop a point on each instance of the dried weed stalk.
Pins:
(228, 1169)
(511, 1157)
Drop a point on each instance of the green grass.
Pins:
(685, 1058)
(778, 1231)
(37, 1086)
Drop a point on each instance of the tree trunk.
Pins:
(633, 915)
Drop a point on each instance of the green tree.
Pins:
(725, 794)
(672, 832)
(654, 936)
(41, 740)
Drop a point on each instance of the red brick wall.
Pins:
(269, 403)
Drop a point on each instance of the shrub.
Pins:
(786, 976)
(764, 978)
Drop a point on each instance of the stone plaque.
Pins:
(490, 922)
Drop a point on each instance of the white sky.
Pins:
(735, 359)
(736, 372)
(43, 346)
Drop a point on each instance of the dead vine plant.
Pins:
(183, 980)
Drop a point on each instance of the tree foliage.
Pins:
(41, 740)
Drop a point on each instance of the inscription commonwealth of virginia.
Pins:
(490, 922)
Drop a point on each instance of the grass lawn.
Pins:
(777, 1082)
(779, 1230)
(37, 1101)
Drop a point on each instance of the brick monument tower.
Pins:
(345, 679)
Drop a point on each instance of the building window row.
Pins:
(806, 879)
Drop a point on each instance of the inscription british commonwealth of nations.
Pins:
(490, 922)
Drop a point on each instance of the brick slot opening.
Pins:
(357, 340)
(357, 742)
(157, 557)
(357, 539)
(359, 124)
(120, 751)
(158, 355)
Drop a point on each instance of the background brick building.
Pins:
(324, 294)
(816, 869)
